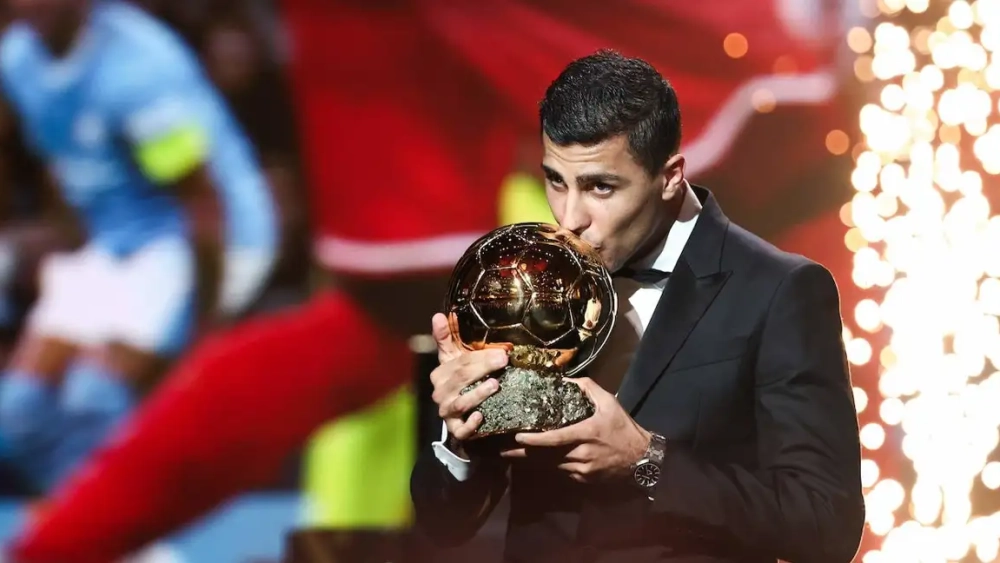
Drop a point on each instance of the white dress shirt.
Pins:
(636, 304)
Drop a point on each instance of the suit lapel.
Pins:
(693, 285)
(683, 303)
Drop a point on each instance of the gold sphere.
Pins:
(537, 290)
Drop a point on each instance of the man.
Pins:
(732, 434)
(177, 214)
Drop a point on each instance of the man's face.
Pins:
(50, 18)
(231, 57)
(603, 195)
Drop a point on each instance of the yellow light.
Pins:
(869, 473)
(860, 399)
(920, 226)
(891, 411)
(866, 313)
(991, 475)
(735, 45)
(859, 40)
(872, 436)
(960, 14)
(837, 142)
(859, 351)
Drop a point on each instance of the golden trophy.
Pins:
(543, 294)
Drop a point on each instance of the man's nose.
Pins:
(575, 216)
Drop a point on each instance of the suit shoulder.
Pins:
(749, 252)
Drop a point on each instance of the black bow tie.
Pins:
(647, 276)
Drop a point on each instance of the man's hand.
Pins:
(601, 447)
(459, 369)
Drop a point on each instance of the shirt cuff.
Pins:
(459, 468)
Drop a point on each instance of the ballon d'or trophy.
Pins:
(543, 294)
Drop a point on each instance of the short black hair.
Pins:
(607, 94)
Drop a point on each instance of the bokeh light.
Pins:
(926, 249)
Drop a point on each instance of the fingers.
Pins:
(441, 328)
(560, 437)
(590, 388)
(453, 376)
(514, 453)
(584, 383)
(464, 430)
(564, 357)
(556, 455)
(505, 346)
(468, 401)
(579, 472)
(474, 366)
(575, 467)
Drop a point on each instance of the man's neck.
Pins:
(651, 249)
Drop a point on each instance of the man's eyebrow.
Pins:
(550, 172)
(588, 179)
(599, 178)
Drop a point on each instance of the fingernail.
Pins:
(498, 359)
(493, 384)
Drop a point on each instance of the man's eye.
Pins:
(603, 188)
(557, 182)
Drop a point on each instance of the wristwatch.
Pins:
(646, 471)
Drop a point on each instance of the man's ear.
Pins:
(673, 174)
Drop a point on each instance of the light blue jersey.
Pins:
(123, 115)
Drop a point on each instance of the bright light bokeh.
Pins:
(927, 246)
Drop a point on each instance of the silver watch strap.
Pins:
(656, 449)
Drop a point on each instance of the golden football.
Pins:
(538, 290)
(544, 295)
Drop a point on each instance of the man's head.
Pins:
(55, 21)
(232, 56)
(611, 130)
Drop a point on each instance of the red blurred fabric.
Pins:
(223, 424)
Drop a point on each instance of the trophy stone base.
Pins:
(529, 401)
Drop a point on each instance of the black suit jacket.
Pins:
(742, 368)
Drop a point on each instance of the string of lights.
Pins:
(926, 250)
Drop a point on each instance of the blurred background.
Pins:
(860, 133)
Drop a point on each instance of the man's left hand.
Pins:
(601, 447)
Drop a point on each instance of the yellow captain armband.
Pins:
(170, 157)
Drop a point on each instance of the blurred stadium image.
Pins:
(225, 225)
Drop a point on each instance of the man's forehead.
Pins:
(609, 157)
(615, 144)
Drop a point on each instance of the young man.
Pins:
(728, 433)
(179, 223)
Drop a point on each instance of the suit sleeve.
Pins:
(450, 511)
(803, 501)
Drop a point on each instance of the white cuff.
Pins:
(459, 468)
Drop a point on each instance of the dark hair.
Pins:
(607, 94)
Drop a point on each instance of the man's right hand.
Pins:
(459, 369)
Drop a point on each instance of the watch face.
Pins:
(647, 475)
